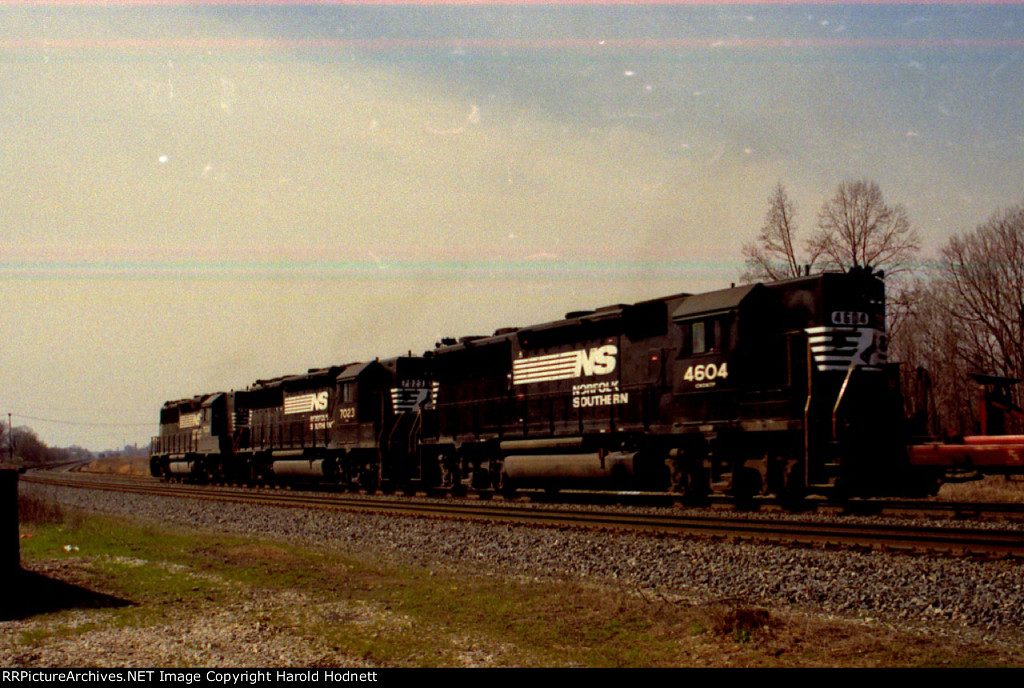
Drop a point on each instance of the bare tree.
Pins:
(773, 255)
(983, 274)
(856, 229)
(938, 392)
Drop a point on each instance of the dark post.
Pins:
(10, 555)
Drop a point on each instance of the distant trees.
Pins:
(29, 450)
(937, 388)
(980, 291)
(981, 277)
(856, 228)
(966, 317)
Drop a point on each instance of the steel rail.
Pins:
(989, 542)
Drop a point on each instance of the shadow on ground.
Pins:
(31, 593)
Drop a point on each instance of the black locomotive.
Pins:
(767, 388)
(357, 424)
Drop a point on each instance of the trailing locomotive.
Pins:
(767, 388)
(356, 424)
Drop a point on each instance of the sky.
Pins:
(195, 195)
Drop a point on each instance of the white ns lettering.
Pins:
(320, 402)
(598, 361)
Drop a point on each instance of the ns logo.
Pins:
(306, 403)
(597, 361)
(567, 365)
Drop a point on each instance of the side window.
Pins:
(348, 392)
(710, 335)
(698, 337)
(723, 335)
(730, 334)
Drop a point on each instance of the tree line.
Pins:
(948, 317)
(21, 447)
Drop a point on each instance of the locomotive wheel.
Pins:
(695, 486)
(507, 487)
(793, 490)
(689, 479)
(368, 480)
(929, 482)
(480, 478)
(746, 482)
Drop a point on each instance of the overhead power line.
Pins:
(82, 423)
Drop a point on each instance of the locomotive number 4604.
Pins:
(706, 371)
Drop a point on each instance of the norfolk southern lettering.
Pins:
(598, 394)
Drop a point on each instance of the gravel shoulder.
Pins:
(941, 607)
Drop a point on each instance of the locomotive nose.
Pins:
(839, 341)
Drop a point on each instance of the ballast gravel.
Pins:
(917, 590)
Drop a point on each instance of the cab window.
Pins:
(698, 337)
(711, 335)
(348, 392)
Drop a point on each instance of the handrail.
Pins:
(839, 400)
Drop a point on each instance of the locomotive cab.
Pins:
(859, 430)
(852, 417)
(378, 421)
(778, 387)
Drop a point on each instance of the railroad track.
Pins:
(960, 540)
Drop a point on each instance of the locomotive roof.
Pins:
(573, 318)
(209, 401)
(311, 374)
(714, 301)
(192, 402)
(354, 370)
(689, 305)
